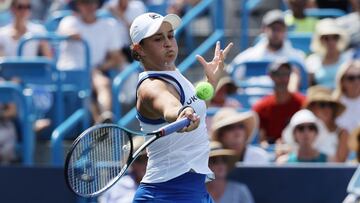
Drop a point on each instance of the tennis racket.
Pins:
(102, 154)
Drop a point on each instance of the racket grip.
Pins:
(175, 126)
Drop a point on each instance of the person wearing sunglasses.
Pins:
(21, 25)
(236, 130)
(321, 102)
(301, 136)
(222, 190)
(328, 45)
(348, 92)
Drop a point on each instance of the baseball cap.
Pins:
(273, 16)
(274, 66)
(148, 24)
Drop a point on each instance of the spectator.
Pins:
(123, 191)
(20, 25)
(272, 46)
(125, 11)
(348, 93)
(178, 7)
(235, 131)
(296, 20)
(301, 134)
(221, 189)
(8, 133)
(350, 23)
(327, 109)
(225, 88)
(102, 36)
(328, 45)
(276, 110)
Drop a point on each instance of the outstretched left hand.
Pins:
(214, 69)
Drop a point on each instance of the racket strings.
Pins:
(98, 159)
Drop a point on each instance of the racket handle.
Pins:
(175, 126)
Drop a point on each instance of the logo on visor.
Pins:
(154, 16)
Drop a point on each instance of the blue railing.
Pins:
(60, 133)
(63, 79)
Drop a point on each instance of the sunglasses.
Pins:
(352, 78)
(324, 104)
(330, 37)
(303, 127)
(23, 6)
(233, 127)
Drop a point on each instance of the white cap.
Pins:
(148, 24)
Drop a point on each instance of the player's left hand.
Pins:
(214, 69)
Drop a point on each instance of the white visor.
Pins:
(148, 24)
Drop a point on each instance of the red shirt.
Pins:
(274, 117)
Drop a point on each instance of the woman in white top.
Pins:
(328, 45)
(178, 163)
(348, 92)
(20, 25)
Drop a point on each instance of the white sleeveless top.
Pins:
(177, 153)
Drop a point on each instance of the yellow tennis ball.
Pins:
(204, 91)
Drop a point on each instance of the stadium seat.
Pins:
(324, 12)
(69, 90)
(253, 74)
(300, 41)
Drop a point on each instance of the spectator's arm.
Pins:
(113, 60)
(342, 150)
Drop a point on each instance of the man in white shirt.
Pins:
(102, 35)
(273, 45)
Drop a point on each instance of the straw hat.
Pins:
(322, 94)
(216, 149)
(328, 26)
(228, 116)
(226, 81)
(300, 117)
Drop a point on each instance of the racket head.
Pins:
(97, 159)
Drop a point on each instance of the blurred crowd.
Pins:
(286, 123)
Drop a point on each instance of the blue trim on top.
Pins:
(158, 76)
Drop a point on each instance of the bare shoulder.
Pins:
(151, 88)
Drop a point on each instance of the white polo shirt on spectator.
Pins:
(102, 37)
(9, 46)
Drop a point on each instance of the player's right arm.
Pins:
(158, 99)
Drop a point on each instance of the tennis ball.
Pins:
(204, 91)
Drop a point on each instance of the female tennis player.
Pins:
(178, 163)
